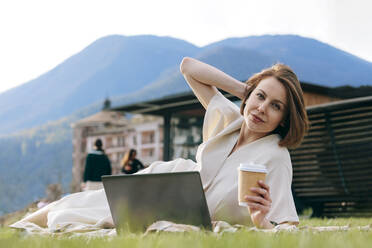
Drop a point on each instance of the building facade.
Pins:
(118, 134)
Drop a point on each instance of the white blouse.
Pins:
(219, 172)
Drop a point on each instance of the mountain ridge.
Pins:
(85, 77)
(122, 65)
(317, 57)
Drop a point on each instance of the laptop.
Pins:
(136, 201)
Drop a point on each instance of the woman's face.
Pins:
(133, 155)
(266, 108)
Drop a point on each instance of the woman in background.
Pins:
(129, 164)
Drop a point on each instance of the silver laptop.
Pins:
(137, 201)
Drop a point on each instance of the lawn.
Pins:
(305, 237)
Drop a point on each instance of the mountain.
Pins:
(121, 65)
(34, 158)
(239, 63)
(313, 61)
(112, 65)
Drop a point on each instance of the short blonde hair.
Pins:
(296, 122)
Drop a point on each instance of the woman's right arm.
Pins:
(204, 80)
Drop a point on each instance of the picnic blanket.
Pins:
(219, 227)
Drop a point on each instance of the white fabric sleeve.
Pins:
(279, 180)
(219, 114)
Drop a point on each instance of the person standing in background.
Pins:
(130, 164)
(97, 164)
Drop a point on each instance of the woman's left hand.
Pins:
(259, 205)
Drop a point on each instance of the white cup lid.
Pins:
(253, 167)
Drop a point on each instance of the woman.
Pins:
(271, 118)
(274, 118)
(130, 164)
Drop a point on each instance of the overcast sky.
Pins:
(37, 35)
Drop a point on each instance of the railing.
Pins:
(332, 170)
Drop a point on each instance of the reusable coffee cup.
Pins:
(249, 175)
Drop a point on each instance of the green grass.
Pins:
(243, 238)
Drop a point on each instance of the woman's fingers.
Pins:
(261, 202)
(258, 199)
(259, 207)
(263, 192)
(264, 185)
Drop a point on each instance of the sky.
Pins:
(38, 35)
